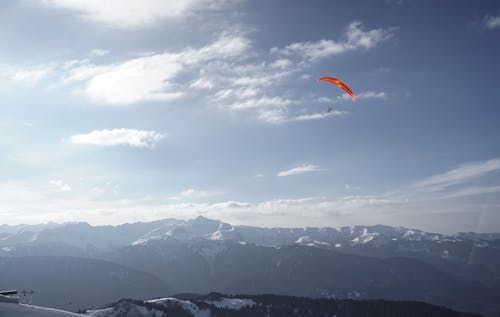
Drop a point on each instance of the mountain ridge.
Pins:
(205, 255)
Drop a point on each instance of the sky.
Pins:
(125, 110)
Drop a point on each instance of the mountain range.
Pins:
(201, 255)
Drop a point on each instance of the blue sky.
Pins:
(123, 111)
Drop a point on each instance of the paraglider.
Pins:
(340, 84)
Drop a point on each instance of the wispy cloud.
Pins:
(262, 102)
(125, 14)
(492, 22)
(306, 168)
(31, 75)
(146, 78)
(473, 191)
(355, 37)
(280, 115)
(253, 86)
(152, 77)
(99, 52)
(197, 193)
(316, 116)
(458, 175)
(220, 74)
(366, 95)
(60, 185)
(130, 137)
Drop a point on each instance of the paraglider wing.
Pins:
(340, 84)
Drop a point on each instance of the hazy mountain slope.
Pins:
(470, 248)
(72, 283)
(379, 240)
(205, 266)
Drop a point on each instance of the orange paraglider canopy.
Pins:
(340, 84)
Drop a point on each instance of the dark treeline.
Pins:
(282, 306)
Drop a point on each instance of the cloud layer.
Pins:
(355, 37)
(459, 175)
(130, 137)
(126, 14)
(222, 74)
(492, 22)
(306, 168)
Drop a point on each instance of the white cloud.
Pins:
(197, 194)
(218, 74)
(305, 168)
(458, 175)
(365, 95)
(131, 137)
(253, 87)
(144, 78)
(327, 100)
(280, 115)
(259, 76)
(76, 71)
(354, 38)
(152, 77)
(281, 63)
(274, 116)
(472, 191)
(262, 102)
(316, 116)
(123, 14)
(60, 185)
(492, 22)
(202, 83)
(241, 93)
(371, 95)
(31, 75)
(99, 52)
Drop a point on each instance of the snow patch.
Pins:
(100, 312)
(217, 235)
(309, 242)
(187, 305)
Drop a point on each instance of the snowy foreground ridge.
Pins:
(21, 310)
(158, 307)
(218, 305)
